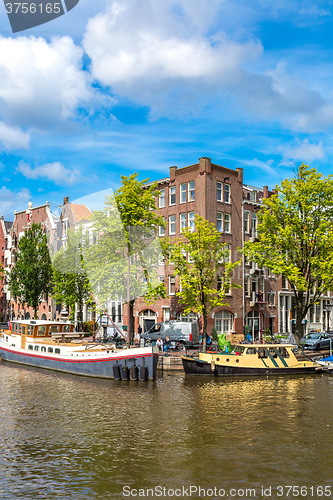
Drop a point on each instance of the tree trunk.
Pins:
(204, 332)
(130, 322)
(299, 319)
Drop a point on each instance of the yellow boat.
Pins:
(249, 359)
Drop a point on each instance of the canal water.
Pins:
(68, 437)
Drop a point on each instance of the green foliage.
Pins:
(204, 267)
(70, 281)
(88, 326)
(125, 256)
(31, 276)
(295, 237)
(213, 333)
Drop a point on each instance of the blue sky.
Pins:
(121, 86)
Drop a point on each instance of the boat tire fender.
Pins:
(143, 373)
(133, 373)
(116, 372)
(124, 373)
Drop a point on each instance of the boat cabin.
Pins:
(38, 329)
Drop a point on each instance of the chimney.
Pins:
(265, 192)
(173, 173)
(240, 174)
(66, 200)
(205, 165)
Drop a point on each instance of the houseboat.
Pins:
(249, 359)
(55, 346)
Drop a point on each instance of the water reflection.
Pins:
(70, 437)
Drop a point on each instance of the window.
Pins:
(247, 222)
(224, 322)
(50, 349)
(219, 222)
(161, 230)
(57, 350)
(227, 193)
(43, 349)
(247, 286)
(161, 199)
(284, 282)
(172, 195)
(166, 314)
(271, 298)
(227, 248)
(172, 285)
(253, 196)
(41, 330)
(253, 225)
(191, 191)
(191, 220)
(172, 224)
(182, 193)
(187, 318)
(227, 223)
(219, 186)
(30, 347)
(182, 221)
(36, 347)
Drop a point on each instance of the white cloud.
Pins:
(304, 151)
(265, 166)
(152, 54)
(12, 200)
(178, 58)
(13, 138)
(41, 83)
(54, 172)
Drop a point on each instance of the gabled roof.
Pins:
(80, 212)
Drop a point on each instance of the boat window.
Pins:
(54, 329)
(262, 352)
(50, 349)
(36, 347)
(30, 329)
(15, 327)
(20, 328)
(43, 349)
(283, 352)
(251, 350)
(6, 338)
(41, 330)
(239, 349)
(272, 352)
(57, 350)
(30, 347)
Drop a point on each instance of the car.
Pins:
(316, 341)
(178, 331)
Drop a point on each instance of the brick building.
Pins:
(22, 220)
(4, 229)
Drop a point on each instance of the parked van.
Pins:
(178, 331)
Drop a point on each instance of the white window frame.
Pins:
(172, 195)
(191, 191)
(219, 222)
(182, 193)
(246, 222)
(219, 191)
(172, 224)
(190, 219)
(161, 199)
(172, 281)
(227, 223)
(182, 222)
(227, 193)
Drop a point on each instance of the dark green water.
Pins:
(65, 437)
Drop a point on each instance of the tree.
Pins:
(70, 281)
(122, 263)
(204, 266)
(31, 276)
(295, 237)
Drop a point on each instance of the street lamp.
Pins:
(328, 307)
